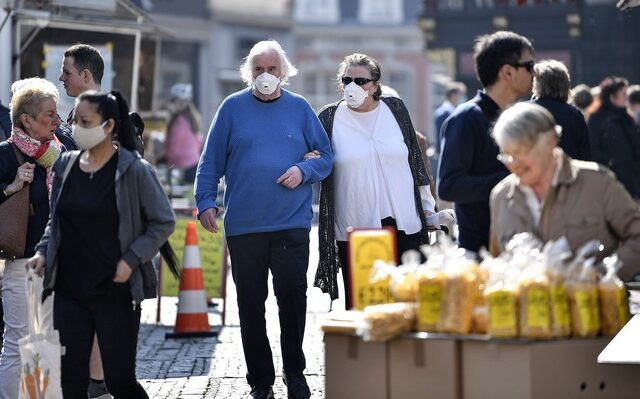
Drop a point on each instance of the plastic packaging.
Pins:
(431, 287)
(614, 303)
(501, 297)
(534, 301)
(383, 322)
(555, 254)
(460, 293)
(404, 285)
(583, 295)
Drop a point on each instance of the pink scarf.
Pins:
(44, 153)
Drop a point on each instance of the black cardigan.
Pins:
(329, 264)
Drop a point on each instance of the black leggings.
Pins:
(112, 317)
(404, 242)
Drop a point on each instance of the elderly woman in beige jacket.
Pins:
(552, 195)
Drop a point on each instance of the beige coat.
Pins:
(587, 203)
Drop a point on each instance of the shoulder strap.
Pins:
(19, 155)
(69, 165)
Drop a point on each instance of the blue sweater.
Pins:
(252, 143)
(469, 169)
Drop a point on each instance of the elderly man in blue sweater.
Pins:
(257, 142)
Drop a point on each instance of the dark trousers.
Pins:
(112, 318)
(286, 254)
(404, 242)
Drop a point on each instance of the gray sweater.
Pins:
(146, 220)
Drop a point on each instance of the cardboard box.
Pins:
(424, 366)
(354, 368)
(544, 369)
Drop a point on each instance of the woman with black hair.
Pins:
(614, 136)
(109, 216)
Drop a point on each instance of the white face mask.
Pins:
(266, 83)
(354, 95)
(87, 138)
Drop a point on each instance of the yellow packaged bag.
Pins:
(502, 300)
(614, 302)
(430, 294)
(583, 300)
(460, 293)
(555, 256)
(378, 291)
(535, 312)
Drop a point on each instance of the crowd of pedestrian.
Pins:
(98, 214)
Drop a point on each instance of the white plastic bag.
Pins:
(40, 351)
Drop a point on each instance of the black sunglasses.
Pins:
(527, 64)
(359, 81)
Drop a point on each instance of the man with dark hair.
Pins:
(455, 93)
(634, 102)
(469, 168)
(5, 123)
(82, 69)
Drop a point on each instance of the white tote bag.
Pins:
(40, 351)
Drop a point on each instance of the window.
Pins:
(381, 11)
(319, 11)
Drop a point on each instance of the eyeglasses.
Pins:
(359, 81)
(527, 64)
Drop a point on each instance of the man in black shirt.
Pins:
(468, 168)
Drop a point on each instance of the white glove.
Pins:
(445, 217)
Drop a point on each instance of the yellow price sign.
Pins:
(365, 247)
(212, 257)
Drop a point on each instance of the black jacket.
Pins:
(469, 168)
(574, 140)
(615, 143)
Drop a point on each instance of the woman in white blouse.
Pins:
(378, 179)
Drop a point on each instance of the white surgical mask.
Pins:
(354, 95)
(88, 137)
(266, 83)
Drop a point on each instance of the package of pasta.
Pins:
(502, 301)
(556, 254)
(535, 302)
(614, 303)
(584, 304)
(460, 293)
(431, 286)
(383, 322)
(404, 284)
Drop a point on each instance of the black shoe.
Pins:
(297, 387)
(261, 392)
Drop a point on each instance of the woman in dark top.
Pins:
(34, 119)
(109, 218)
(614, 136)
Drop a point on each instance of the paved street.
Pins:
(214, 367)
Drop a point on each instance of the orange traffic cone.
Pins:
(192, 319)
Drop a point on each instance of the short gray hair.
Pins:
(524, 124)
(28, 96)
(265, 47)
(551, 80)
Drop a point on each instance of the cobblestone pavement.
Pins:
(214, 367)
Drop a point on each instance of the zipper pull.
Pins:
(134, 305)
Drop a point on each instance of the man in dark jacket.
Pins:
(5, 123)
(469, 168)
(614, 136)
(455, 94)
(551, 87)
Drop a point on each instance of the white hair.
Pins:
(287, 69)
(523, 124)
